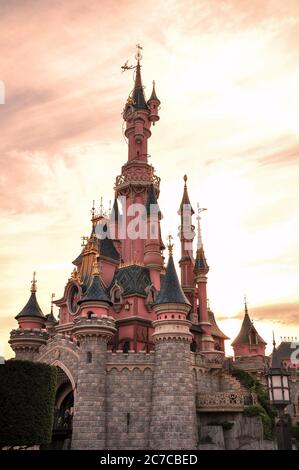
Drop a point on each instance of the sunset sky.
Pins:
(227, 75)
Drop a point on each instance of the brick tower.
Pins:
(93, 329)
(173, 420)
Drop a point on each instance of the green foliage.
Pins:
(27, 395)
(295, 432)
(264, 409)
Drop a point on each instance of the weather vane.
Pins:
(199, 210)
(138, 57)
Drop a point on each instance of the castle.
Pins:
(141, 361)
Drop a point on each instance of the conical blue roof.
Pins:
(31, 309)
(96, 292)
(171, 290)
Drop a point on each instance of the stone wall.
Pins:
(173, 420)
(128, 407)
(89, 423)
(245, 433)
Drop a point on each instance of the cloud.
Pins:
(285, 313)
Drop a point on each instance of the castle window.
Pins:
(89, 315)
(126, 347)
(193, 346)
(172, 316)
(253, 337)
(151, 294)
(89, 357)
(116, 294)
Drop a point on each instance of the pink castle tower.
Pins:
(31, 334)
(248, 342)
(120, 270)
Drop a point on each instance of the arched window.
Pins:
(126, 347)
(89, 357)
(253, 337)
(116, 294)
(151, 292)
(89, 315)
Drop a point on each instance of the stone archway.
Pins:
(63, 411)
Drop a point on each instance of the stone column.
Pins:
(173, 420)
(89, 422)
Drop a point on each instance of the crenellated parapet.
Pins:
(103, 327)
(26, 343)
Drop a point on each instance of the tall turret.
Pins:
(248, 342)
(186, 234)
(152, 254)
(201, 270)
(173, 420)
(137, 174)
(31, 334)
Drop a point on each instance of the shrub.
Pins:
(27, 395)
(264, 409)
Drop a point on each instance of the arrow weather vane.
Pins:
(138, 57)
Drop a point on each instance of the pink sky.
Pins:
(227, 74)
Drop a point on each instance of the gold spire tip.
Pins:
(169, 244)
(33, 283)
(95, 266)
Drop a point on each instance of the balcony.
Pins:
(224, 401)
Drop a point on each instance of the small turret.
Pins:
(95, 301)
(27, 339)
(153, 104)
(248, 342)
(51, 321)
(31, 316)
(201, 270)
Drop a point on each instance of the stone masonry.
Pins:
(173, 421)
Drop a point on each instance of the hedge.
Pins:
(27, 396)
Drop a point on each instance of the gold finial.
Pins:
(185, 179)
(138, 55)
(170, 245)
(95, 266)
(33, 283)
(84, 241)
